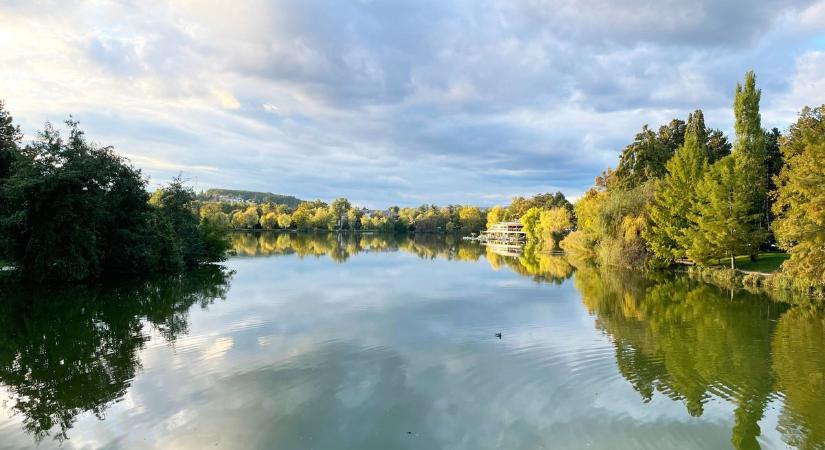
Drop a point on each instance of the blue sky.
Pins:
(398, 102)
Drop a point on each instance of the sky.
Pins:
(398, 102)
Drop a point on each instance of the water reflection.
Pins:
(64, 352)
(394, 351)
(693, 342)
(531, 261)
(799, 367)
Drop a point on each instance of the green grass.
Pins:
(765, 262)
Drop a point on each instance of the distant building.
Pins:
(505, 232)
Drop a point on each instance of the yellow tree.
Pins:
(800, 197)
(553, 223)
(495, 215)
(470, 219)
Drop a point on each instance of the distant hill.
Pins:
(249, 196)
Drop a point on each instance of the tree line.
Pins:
(342, 215)
(684, 192)
(73, 210)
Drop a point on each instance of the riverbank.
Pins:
(775, 284)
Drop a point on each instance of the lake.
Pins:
(373, 342)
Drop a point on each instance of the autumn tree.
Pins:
(471, 219)
(800, 197)
(554, 223)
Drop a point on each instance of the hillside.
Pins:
(252, 196)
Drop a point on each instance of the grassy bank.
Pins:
(767, 262)
(762, 275)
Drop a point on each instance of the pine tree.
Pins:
(726, 222)
(668, 234)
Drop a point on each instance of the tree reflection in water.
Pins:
(533, 261)
(692, 342)
(75, 350)
(72, 350)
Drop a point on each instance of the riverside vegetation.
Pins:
(67, 204)
(685, 194)
(71, 210)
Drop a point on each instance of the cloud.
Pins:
(464, 100)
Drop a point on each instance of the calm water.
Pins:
(366, 342)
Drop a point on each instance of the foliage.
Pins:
(727, 223)
(470, 219)
(800, 200)
(75, 350)
(10, 214)
(73, 210)
(645, 158)
(668, 235)
(750, 145)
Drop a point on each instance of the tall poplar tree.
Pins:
(730, 208)
(750, 142)
(668, 236)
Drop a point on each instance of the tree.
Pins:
(530, 221)
(175, 208)
(646, 156)
(727, 224)
(269, 221)
(800, 197)
(495, 215)
(553, 223)
(85, 209)
(339, 210)
(10, 202)
(717, 145)
(302, 218)
(354, 218)
(668, 236)
(750, 142)
(247, 218)
(284, 221)
(470, 219)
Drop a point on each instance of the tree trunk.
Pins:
(732, 261)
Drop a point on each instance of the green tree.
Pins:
(175, 207)
(10, 201)
(727, 224)
(800, 197)
(339, 209)
(646, 156)
(668, 236)
(717, 145)
(750, 143)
